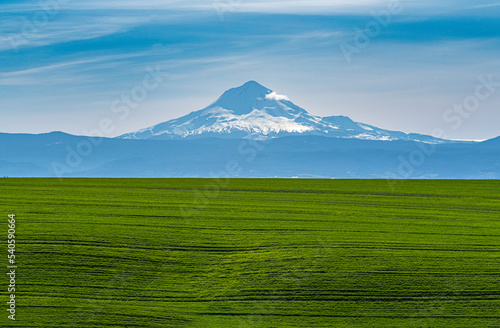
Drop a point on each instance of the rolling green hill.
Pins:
(253, 253)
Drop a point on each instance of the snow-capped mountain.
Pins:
(253, 111)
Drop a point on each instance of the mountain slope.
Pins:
(253, 111)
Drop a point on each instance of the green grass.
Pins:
(254, 253)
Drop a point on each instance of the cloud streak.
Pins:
(262, 6)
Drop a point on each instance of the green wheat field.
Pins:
(253, 253)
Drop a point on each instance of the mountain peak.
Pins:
(253, 85)
(243, 99)
(256, 112)
(251, 89)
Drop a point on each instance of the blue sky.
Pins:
(65, 64)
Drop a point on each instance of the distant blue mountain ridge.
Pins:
(251, 132)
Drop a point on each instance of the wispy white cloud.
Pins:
(262, 6)
(275, 96)
(487, 5)
(89, 19)
(20, 34)
(60, 72)
(275, 6)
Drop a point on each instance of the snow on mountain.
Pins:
(255, 112)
